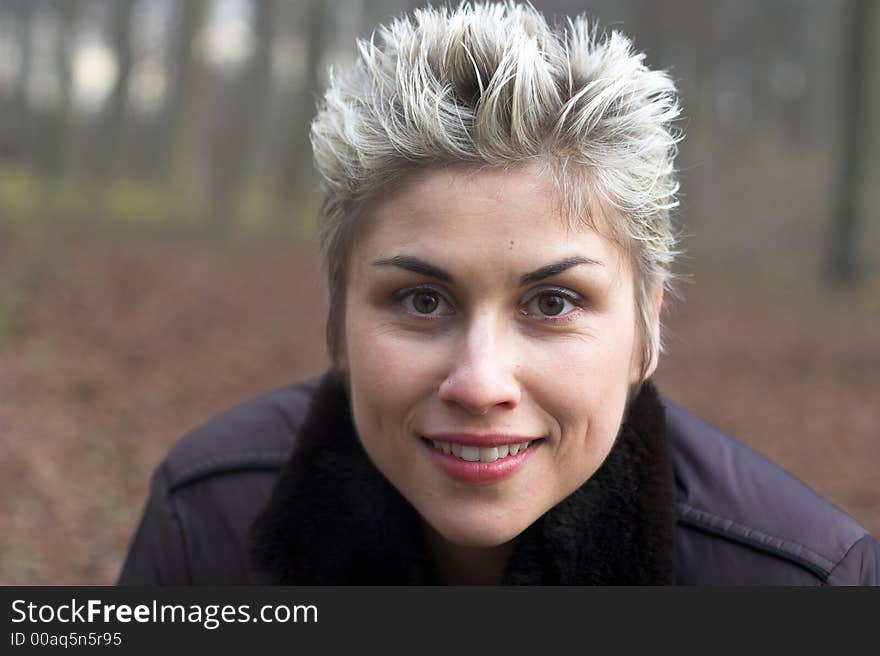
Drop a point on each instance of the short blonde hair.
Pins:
(493, 84)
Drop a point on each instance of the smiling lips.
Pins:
(480, 458)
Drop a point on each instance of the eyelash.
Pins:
(575, 299)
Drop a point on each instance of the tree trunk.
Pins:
(236, 122)
(185, 158)
(841, 266)
(113, 122)
(295, 173)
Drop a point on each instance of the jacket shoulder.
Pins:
(206, 492)
(257, 434)
(746, 514)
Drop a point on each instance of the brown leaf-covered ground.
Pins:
(114, 344)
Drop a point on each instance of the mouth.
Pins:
(483, 464)
(472, 453)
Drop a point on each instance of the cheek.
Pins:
(583, 384)
(379, 356)
(390, 374)
(598, 360)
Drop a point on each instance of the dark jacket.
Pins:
(278, 490)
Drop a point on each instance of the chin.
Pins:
(476, 534)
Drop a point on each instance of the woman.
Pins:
(497, 238)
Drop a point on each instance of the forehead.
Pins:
(476, 193)
(470, 212)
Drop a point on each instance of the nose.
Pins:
(481, 376)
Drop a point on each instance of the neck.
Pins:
(459, 565)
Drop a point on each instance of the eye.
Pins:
(424, 301)
(553, 303)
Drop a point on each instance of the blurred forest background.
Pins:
(157, 240)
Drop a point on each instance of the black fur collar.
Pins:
(333, 519)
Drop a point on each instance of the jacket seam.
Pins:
(842, 560)
(728, 528)
(175, 520)
(240, 460)
(292, 426)
(254, 458)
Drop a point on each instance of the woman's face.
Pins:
(489, 349)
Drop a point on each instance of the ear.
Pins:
(656, 306)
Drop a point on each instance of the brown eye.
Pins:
(425, 302)
(551, 304)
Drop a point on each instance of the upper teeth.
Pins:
(481, 454)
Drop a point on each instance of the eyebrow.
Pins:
(416, 265)
(556, 268)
